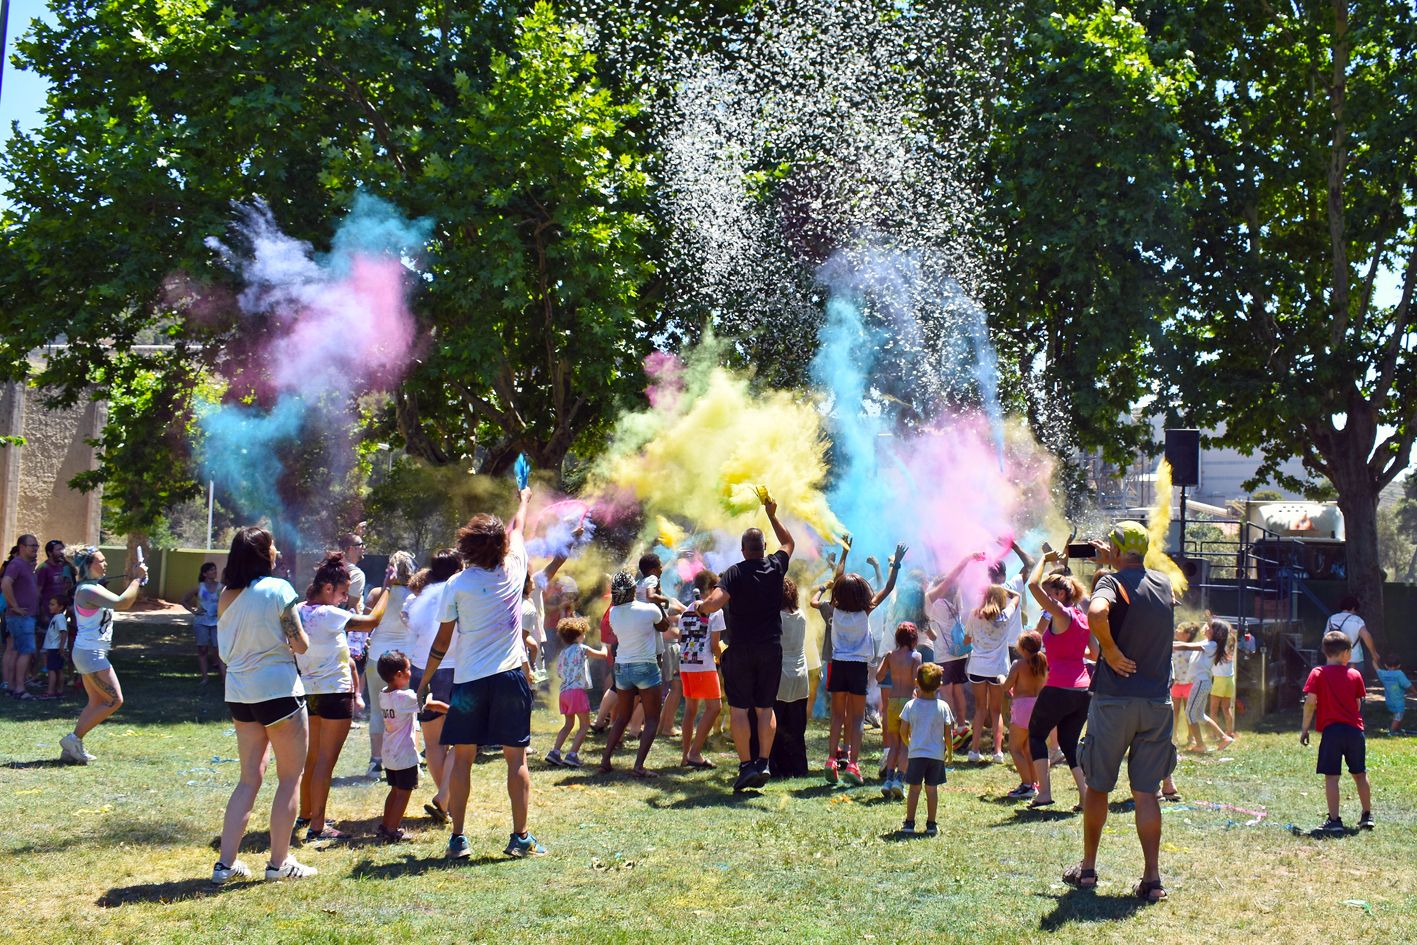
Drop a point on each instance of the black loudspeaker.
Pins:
(1183, 452)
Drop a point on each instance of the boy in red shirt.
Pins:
(1335, 692)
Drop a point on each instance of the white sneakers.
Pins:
(223, 874)
(974, 758)
(998, 757)
(290, 869)
(71, 749)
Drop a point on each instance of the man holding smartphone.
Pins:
(1130, 713)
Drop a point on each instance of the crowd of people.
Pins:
(452, 655)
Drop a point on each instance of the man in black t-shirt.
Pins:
(750, 595)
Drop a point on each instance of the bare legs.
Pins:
(1365, 794)
(988, 712)
(288, 738)
(518, 785)
(105, 698)
(436, 754)
(625, 706)
(694, 736)
(327, 737)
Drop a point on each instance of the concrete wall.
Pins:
(35, 496)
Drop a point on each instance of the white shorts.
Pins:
(91, 661)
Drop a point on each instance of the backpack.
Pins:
(954, 638)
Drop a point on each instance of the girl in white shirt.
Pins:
(987, 631)
(329, 686)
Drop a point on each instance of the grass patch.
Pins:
(121, 851)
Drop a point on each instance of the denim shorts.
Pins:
(637, 676)
(21, 629)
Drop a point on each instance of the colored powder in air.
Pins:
(1157, 526)
(700, 455)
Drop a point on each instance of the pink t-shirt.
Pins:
(1066, 669)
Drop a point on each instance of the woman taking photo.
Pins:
(94, 605)
(325, 670)
(258, 635)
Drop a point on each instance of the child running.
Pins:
(573, 669)
(1334, 695)
(900, 666)
(56, 636)
(923, 723)
(852, 647)
(1395, 685)
(1025, 681)
(398, 705)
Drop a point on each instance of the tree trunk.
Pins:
(1358, 500)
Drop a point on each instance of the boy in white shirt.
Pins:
(398, 704)
(923, 724)
(56, 637)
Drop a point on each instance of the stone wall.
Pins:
(35, 496)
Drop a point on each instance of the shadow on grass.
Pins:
(1085, 905)
(174, 891)
(39, 763)
(412, 865)
(1034, 815)
(900, 836)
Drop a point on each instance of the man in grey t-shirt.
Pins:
(1129, 717)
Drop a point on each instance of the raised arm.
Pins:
(885, 592)
(947, 583)
(99, 596)
(784, 537)
(1024, 557)
(876, 569)
(370, 620)
(519, 520)
(1061, 618)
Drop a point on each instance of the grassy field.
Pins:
(121, 851)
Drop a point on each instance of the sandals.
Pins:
(436, 812)
(1145, 889)
(1037, 804)
(1079, 877)
(643, 774)
(701, 765)
(1174, 797)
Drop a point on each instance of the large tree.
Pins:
(1299, 171)
(490, 120)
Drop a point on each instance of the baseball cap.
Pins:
(1130, 538)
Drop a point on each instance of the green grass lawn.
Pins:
(121, 851)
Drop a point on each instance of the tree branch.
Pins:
(1401, 321)
(382, 131)
(1337, 165)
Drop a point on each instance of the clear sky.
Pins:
(23, 94)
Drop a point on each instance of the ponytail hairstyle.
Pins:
(1065, 586)
(1224, 639)
(996, 598)
(14, 550)
(82, 558)
(403, 566)
(1030, 644)
(332, 571)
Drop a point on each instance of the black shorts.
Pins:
(266, 713)
(440, 687)
(334, 706)
(1341, 743)
(989, 680)
(405, 779)
(927, 771)
(847, 676)
(493, 710)
(954, 672)
(54, 661)
(751, 674)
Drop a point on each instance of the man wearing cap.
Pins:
(1130, 714)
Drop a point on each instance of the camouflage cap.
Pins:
(1129, 538)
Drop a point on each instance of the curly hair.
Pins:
(483, 542)
(789, 595)
(851, 593)
(403, 567)
(571, 629)
(332, 571)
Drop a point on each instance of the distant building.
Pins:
(35, 496)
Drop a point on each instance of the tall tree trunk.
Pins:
(1358, 500)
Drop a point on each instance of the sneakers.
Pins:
(524, 846)
(458, 847)
(851, 774)
(1332, 825)
(290, 869)
(1023, 792)
(747, 774)
(833, 775)
(71, 749)
(974, 757)
(908, 827)
(223, 874)
(998, 757)
(553, 757)
(573, 760)
(931, 829)
(375, 770)
(898, 790)
(1366, 822)
(760, 773)
(886, 788)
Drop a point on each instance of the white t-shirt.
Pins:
(633, 624)
(928, 719)
(400, 709)
(420, 613)
(793, 686)
(325, 665)
(941, 615)
(990, 656)
(1350, 624)
(56, 632)
(531, 622)
(259, 663)
(392, 633)
(645, 586)
(487, 606)
(851, 636)
(1016, 622)
(1226, 668)
(696, 642)
(1203, 666)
